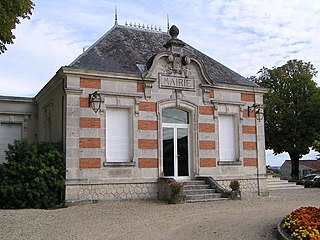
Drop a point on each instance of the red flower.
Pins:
(303, 223)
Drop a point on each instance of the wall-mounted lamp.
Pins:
(258, 111)
(95, 101)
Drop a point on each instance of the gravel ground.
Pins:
(249, 218)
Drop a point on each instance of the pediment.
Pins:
(176, 70)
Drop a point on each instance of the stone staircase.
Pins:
(275, 183)
(200, 191)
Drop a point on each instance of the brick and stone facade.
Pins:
(177, 77)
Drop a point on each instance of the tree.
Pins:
(316, 146)
(292, 118)
(10, 12)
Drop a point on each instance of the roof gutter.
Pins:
(95, 73)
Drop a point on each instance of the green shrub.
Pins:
(276, 171)
(235, 185)
(33, 176)
(175, 186)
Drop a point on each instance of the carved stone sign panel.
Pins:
(176, 82)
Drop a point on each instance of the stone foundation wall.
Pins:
(135, 191)
(246, 185)
(103, 192)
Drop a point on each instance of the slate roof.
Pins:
(313, 164)
(122, 48)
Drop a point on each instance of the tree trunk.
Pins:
(294, 165)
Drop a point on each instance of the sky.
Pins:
(244, 35)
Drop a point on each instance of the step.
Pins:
(281, 182)
(203, 196)
(199, 191)
(284, 188)
(194, 182)
(277, 184)
(196, 187)
(207, 200)
(271, 180)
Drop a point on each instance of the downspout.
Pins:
(159, 137)
(64, 114)
(257, 149)
(257, 159)
(63, 134)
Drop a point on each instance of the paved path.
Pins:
(250, 218)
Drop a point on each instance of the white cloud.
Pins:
(38, 52)
(244, 35)
(258, 32)
(278, 160)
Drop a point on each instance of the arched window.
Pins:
(175, 115)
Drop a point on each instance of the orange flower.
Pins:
(303, 223)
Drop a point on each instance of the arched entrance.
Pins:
(175, 143)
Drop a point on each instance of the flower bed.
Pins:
(303, 223)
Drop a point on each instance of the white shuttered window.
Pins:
(8, 133)
(228, 149)
(118, 135)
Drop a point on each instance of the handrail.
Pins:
(214, 184)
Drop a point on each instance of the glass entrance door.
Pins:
(175, 143)
(168, 151)
(182, 152)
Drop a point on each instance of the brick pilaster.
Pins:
(148, 163)
(249, 145)
(207, 145)
(250, 162)
(147, 125)
(206, 110)
(89, 142)
(89, 163)
(206, 127)
(208, 162)
(247, 97)
(148, 106)
(90, 83)
(147, 143)
(89, 122)
(248, 129)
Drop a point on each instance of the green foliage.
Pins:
(316, 145)
(292, 118)
(175, 186)
(33, 177)
(276, 171)
(10, 12)
(235, 185)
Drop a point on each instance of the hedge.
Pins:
(33, 176)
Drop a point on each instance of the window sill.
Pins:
(223, 163)
(119, 164)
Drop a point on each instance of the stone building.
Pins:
(162, 109)
(305, 167)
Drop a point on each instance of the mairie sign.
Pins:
(167, 81)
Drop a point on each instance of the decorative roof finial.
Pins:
(115, 16)
(168, 24)
(174, 31)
